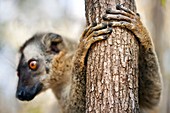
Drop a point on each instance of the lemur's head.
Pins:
(35, 62)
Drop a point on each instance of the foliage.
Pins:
(163, 2)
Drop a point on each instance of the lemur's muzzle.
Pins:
(26, 93)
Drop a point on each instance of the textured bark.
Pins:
(112, 65)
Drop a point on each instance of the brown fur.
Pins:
(66, 74)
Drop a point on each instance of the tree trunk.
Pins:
(112, 65)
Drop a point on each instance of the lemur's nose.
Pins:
(27, 93)
(20, 94)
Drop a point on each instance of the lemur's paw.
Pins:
(94, 33)
(122, 17)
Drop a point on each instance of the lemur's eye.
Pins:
(33, 65)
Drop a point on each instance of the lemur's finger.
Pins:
(121, 7)
(117, 12)
(117, 17)
(95, 39)
(98, 33)
(122, 24)
(87, 28)
(95, 28)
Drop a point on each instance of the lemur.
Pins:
(51, 61)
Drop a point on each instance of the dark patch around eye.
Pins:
(20, 65)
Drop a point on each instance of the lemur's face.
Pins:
(34, 64)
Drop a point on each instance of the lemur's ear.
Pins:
(52, 42)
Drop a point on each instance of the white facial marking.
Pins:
(32, 51)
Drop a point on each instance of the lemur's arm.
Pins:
(150, 76)
(91, 35)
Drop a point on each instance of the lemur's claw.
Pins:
(118, 6)
(108, 10)
(94, 24)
